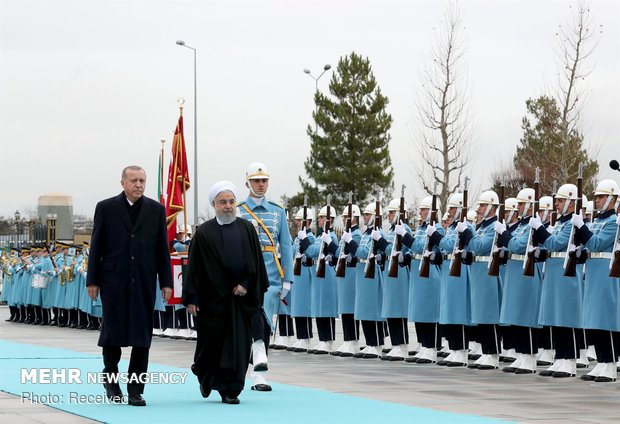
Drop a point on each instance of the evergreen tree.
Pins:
(349, 151)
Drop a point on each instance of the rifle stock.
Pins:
(341, 267)
(455, 265)
(398, 242)
(495, 255)
(297, 267)
(320, 268)
(570, 262)
(371, 264)
(425, 265)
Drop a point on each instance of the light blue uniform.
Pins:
(601, 292)
(396, 290)
(45, 268)
(423, 292)
(274, 218)
(301, 294)
(33, 294)
(61, 290)
(85, 303)
(561, 297)
(455, 296)
(368, 291)
(323, 290)
(72, 288)
(521, 297)
(346, 285)
(486, 290)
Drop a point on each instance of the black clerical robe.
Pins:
(223, 322)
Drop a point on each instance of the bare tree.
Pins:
(443, 131)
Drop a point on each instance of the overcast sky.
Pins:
(87, 87)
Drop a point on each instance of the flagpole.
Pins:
(184, 190)
(161, 170)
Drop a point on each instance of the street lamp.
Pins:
(17, 229)
(316, 88)
(182, 44)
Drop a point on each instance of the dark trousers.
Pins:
(138, 364)
(303, 327)
(158, 320)
(567, 342)
(350, 328)
(399, 334)
(545, 338)
(429, 334)
(606, 344)
(457, 335)
(373, 332)
(326, 327)
(488, 336)
(285, 325)
(525, 339)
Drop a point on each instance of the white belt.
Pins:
(362, 261)
(518, 257)
(557, 255)
(418, 257)
(601, 255)
(449, 257)
(482, 258)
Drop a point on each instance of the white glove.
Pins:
(401, 257)
(328, 258)
(378, 257)
(573, 248)
(577, 220)
(461, 226)
(429, 254)
(347, 237)
(430, 230)
(499, 227)
(535, 222)
(325, 238)
(301, 234)
(550, 229)
(376, 235)
(399, 229)
(286, 287)
(618, 220)
(395, 252)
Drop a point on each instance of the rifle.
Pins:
(493, 269)
(371, 262)
(398, 243)
(553, 218)
(425, 263)
(341, 267)
(455, 264)
(320, 267)
(570, 261)
(614, 262)
(530, 260)
(304, 224)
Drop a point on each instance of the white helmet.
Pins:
(300, 214)
(488, 197)
(526, 195)
(371, 208)
(394, 205)
(426, 203)
(332, 211)
(472, 216)
(256, 170)
(455, 200)
(545, 203)
(354, 208)
(510, 204)
(567, 191)
(609, 187)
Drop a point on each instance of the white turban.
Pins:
(219, 187)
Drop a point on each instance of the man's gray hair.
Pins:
(133, 168)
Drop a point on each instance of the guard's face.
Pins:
(259, 186)
(322, 220)
(367, 217)
(521, 209)
(391, 215)
(424, 213)
(559, 205)
(134, 184)
(451, 213)
(599, 202)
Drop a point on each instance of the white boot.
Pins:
(591, 353)
(594, 372)
(259, 356)
(193, 334)
(447, 359)
(459, 359)
(158, 331)
(183, 334)
(475, 350)
(428, 356)
(372, 352)
(350, 348)
(608, 373)
(568, 368)
(545, 357)
(509, 355)
(169, 332)
(302, 345)
(259, 381)
(397, 353)
(280, 343)
(488, 362)
(557, 364)
(582, 361)
(515, 364)
(323, 348)
(528, 364)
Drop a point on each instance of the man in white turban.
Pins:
(225, 284)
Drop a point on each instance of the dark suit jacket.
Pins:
(125, 261)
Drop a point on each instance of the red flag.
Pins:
(178, 180)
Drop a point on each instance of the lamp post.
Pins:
(182, 44)
(316, 89)
(17, 229)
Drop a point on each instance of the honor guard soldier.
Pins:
(269, 220)
(346, 284)
(395, 305)
(561, 296)
(601, 292)
(324, 304)
(521, 294)
(301, 293)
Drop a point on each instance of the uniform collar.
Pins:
(606, 214)
(488, 221)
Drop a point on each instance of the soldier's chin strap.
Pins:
(606, 205)
(565, 208)
(486, 211)
(545, 216)
(510, 215)
(254, 195)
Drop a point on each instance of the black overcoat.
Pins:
(125, 261)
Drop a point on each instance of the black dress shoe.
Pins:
(540, 363)
(441, 354)
(335, 353)
(588, 377)
(562, 374)
(386, 350)
(524, 371)
(299, 350)
(370, 356)
(384, 358)
(486, 367)
(230, 401)
(412, 352)
(261, 387)
(311, 350)
(136, 400)
(53, 322)
(456, 364)
(603, 379)
(546, 373)
(580, 366)
(345, 354)
(411, 359)
(473, 356)
(395, 358)
(425, 361)
(472, 366)
(358, 355)
(204, 392)
(113, 392)
(291, 349)
(261, 367)
(509, 369)
(442, 363)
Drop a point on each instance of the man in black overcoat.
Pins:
(128, 252)
(224, 288)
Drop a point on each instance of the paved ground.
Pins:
(523, 398)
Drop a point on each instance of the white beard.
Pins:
(226, 218)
